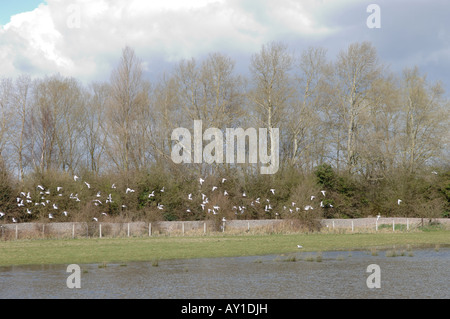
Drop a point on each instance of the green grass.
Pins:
(122, 250)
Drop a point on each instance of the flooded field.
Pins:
(414, 274)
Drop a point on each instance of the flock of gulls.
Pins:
(25, 201)
(28, 201)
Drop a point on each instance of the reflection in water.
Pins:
(337, 275)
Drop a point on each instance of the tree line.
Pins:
(348, 124)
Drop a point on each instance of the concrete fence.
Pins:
(181, 228)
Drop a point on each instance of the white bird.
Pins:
(2, 214)
(40, 187)
(104, 214)
(272, 190)
(399, 201)
(225, 193)
(190, 196)
(223, 180)
(95, 219)
(87, 184)
(201, 180)
(64, 213)
(203, 206)
(243, 195)
(162, 190)
(312, 197)
(152, 194)
(378, 217)
(223, 219)
(299, 246)
(434, 172)
(203, 196)
(323, 193)
(58, 188)
(54, 206)
(14, 220)
(28, 211)
(214, 188)
(216, 207)
(321, 204)
(50, 216)
(293, 203)
(98, 194)
(21, 203)
(308, 207)
(160, 206)
(113, 185)
(188, 210)
(129, 190)
(75, 178)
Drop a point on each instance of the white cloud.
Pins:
(42, 42)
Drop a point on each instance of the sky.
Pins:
(84, 38)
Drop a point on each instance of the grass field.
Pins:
(109, 250)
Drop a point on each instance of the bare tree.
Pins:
(271, 87)
(356, 69)
(22, 104)
(307, 115)
(128, 113)
(424, 119)
(6, 97)
(57, 122)
(95, 133)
